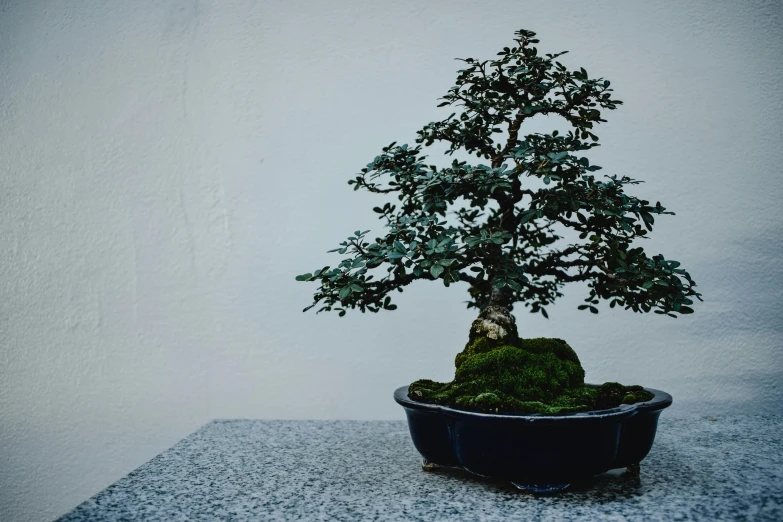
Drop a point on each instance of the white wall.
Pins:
(167, 168)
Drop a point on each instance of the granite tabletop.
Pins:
(729, 468)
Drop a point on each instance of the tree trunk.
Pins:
(495, 320)
(499, 297)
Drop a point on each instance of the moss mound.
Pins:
(499, 372)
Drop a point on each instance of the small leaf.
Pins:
(436, 270)
(527, 216)
(304, 277)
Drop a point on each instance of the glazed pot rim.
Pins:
(659, 401)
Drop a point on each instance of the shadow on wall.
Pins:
(764, 397)
(746, 286)
(743, 319)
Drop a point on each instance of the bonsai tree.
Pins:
(529, 217)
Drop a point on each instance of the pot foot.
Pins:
(541, 489)
(634, 470)
(427, 465)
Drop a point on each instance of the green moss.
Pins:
(502, 373)
(479, 345)
(634, 394)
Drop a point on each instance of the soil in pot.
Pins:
(500, 372)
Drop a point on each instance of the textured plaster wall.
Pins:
(167, 168)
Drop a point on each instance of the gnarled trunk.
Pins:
(500, 297)
(496, 323)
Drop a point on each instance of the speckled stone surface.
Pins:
(729, 468)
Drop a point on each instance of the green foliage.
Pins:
(501, 225)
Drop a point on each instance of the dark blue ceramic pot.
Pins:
(538, 453)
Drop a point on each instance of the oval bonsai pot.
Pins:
(536, 452)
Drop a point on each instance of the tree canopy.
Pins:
(529, 217)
